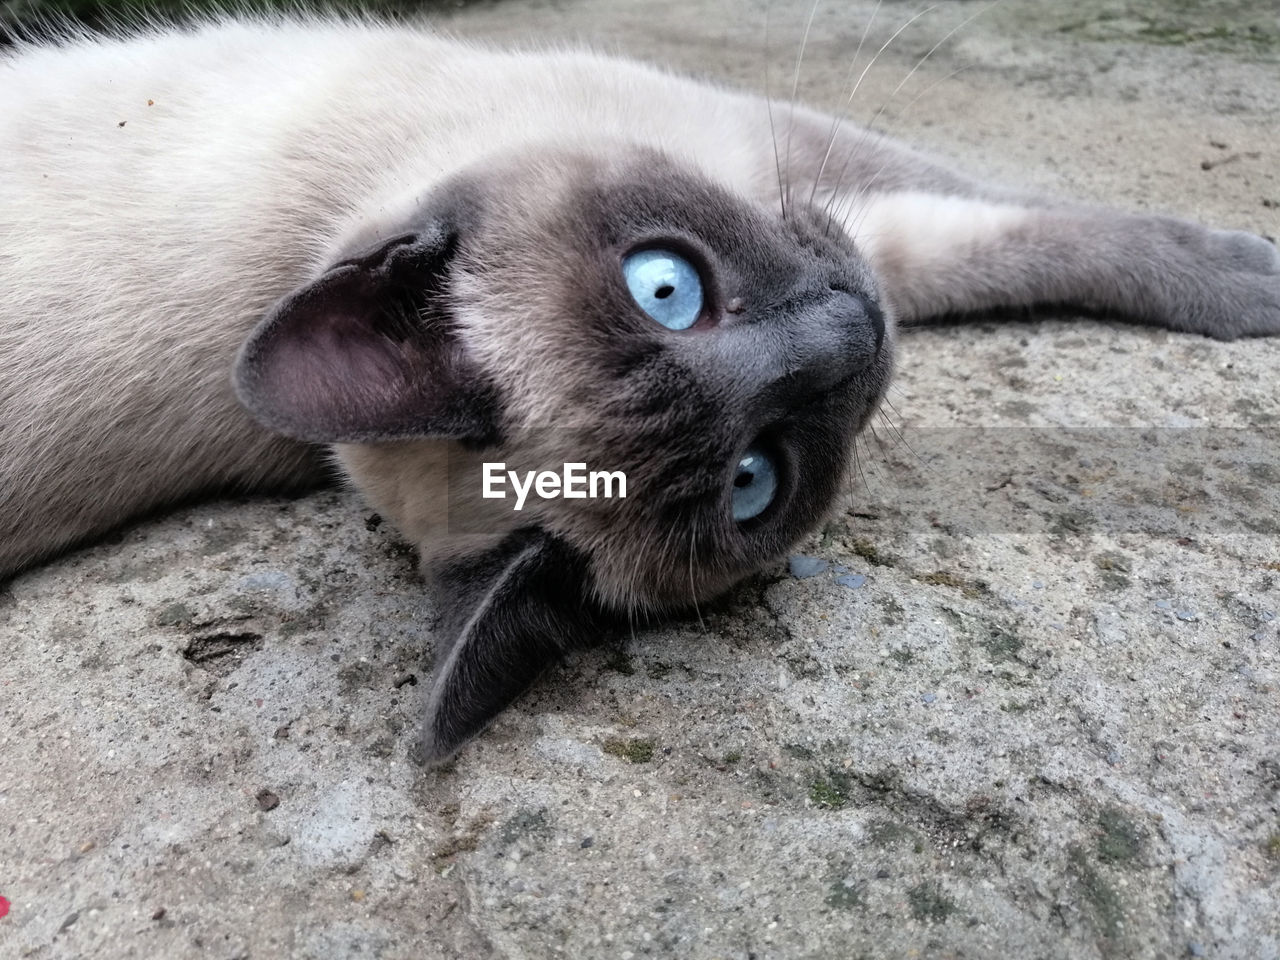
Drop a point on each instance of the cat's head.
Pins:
(614, 309)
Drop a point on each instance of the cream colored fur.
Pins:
(158, 194)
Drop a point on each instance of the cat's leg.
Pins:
(941, 255)
(944, 243)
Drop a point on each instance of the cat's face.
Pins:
(613, 310)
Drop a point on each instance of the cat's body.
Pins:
(159, 195)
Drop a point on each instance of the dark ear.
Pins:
(512, 612)
(367, 352)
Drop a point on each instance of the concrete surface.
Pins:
(987, 719)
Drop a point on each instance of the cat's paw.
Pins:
(1246, 252)
(1258, 313)
(1242, 286)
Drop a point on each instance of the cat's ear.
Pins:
(512, 612)
(367, 352)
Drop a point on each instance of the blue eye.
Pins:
(754, 484)
(666, 286)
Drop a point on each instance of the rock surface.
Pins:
(1028, 723)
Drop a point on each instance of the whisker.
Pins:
(768, 102)
(857, 463)
(902, 438)
(867, 130)
(871, 429)
(862, 76)
(795, 90)
(633, 603)
(896, 412)
(836, 120)
(871, 461)
(693, 593)
(849, 481)
(897, 431)
(932, 50)
(864, 190)
(884, 448)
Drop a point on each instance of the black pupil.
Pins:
(743, 479)
(664, 291)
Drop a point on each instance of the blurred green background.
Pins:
(1247, 29)
(16, 16)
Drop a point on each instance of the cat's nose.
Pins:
(862, 322)
(839, 335)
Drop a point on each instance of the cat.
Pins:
(228, 247)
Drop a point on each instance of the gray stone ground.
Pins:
(1026, 724)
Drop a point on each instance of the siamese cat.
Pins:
(230, 247)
